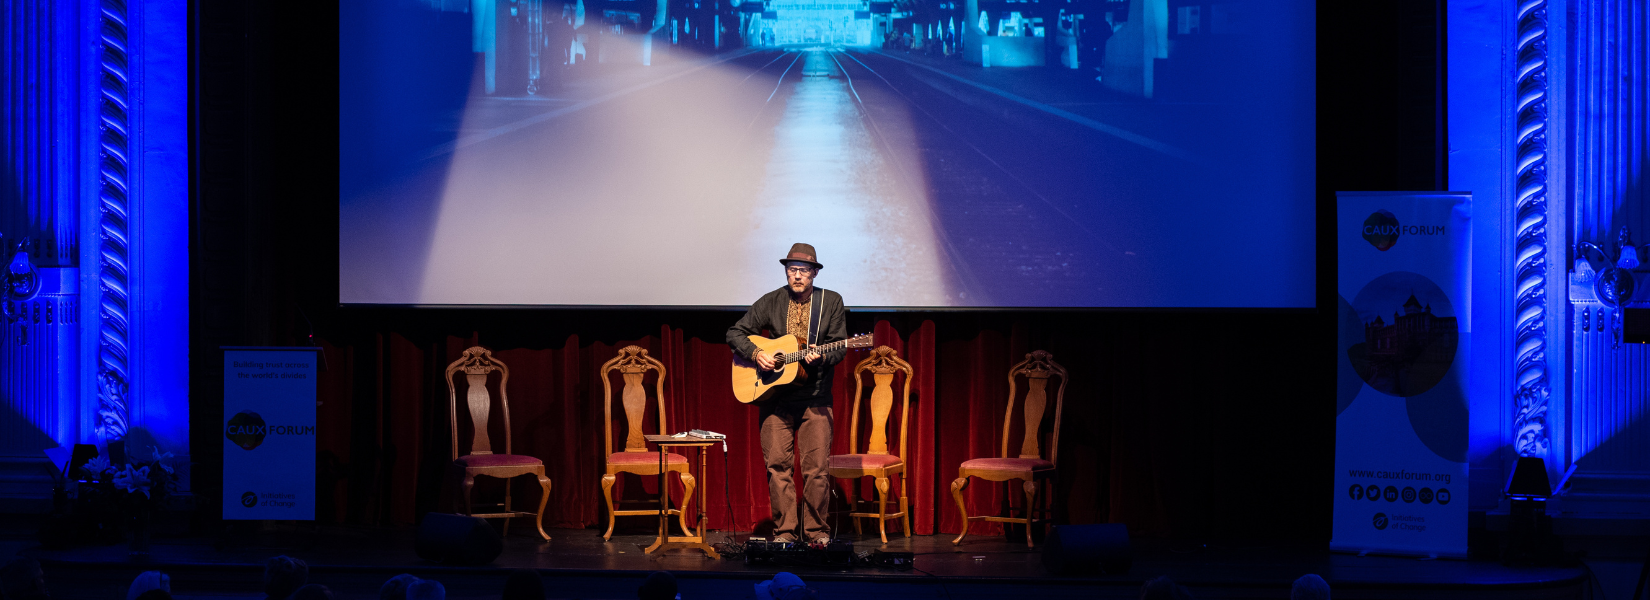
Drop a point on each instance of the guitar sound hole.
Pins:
(768, 377)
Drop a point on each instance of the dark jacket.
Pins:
(770, 312)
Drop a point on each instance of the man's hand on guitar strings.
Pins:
(765, 360)
(813, 357)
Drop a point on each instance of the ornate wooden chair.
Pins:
(633, 363)
(477, 363)
(1029, 466)
(876, 462)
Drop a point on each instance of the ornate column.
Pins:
(94, 99)
(114, 234)
(1533, 391)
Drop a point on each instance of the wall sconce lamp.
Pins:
(1613, 286)
(20, 279)
(1607, 277)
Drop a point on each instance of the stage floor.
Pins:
(578, 564)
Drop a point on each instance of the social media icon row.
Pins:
(1375, 493)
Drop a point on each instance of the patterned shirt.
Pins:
(796, 321)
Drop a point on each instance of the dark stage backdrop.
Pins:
(1178, 425)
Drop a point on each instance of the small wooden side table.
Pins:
(696, 538)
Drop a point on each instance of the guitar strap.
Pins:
(814, 311)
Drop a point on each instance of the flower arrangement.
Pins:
(153, 477)
(115, 497)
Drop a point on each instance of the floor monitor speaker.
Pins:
(457, 540)
(1071, 548)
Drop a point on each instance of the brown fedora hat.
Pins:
(804, 253)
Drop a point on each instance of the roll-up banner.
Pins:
(269, 433)
(1401, 404)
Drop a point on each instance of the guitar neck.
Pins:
(799, 354)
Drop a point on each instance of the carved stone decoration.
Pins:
(114, 235)
(1530, 222)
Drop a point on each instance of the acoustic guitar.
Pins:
(752, 383)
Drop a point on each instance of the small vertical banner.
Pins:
(1401, 404)
(269, 433)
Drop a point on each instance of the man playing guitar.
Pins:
(797, 421)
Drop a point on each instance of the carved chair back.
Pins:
(477, 363)
(632, 363)
(1036, 369)
(882, 364)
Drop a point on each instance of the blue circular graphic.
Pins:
(1442, 496)
(1390, 493)
(1356, 492)
(1351, 331)
(1425, 495)
(249, 499)
(1409, 494)
(1373, 493)
(1439, 418)
(1379, 521)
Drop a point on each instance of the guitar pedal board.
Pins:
(837, 553)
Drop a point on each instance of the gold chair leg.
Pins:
(468, 485)
(956, 494)
(853, 505)
(1031, 503)
(904, 505)
(607, 494)
(544, 497)
(507, 509)
(905, 508)
(688, 483)
(882, 508)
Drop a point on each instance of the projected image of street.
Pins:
(1141, 153)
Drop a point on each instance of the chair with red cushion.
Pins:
(1028, 466)
(477, 363)
(883, 364)
(633, 363)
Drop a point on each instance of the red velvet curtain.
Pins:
(384, 403)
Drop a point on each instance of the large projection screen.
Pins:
(984, 154)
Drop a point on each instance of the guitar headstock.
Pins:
(863, 340)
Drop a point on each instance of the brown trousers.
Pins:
(793, 429)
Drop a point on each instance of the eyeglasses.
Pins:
(799, 270)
